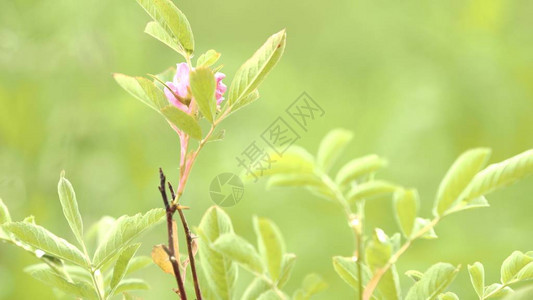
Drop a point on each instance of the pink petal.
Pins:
(221, 87)
(182, 73)
(219, 76)
(172, 99)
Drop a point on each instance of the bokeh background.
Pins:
(416, 81)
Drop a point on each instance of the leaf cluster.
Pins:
(73, 270)
(171, 27)
(371, 271)
(222, 253)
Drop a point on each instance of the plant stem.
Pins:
(372, 284)
(501, 287)
(357, 224)
(188, 59)
(355, 221)
(172, 254)
(272, 284)
(189, 238)
(186, 164)
(96, 285)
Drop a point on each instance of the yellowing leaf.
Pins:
(160, 258)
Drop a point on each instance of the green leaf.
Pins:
(138, 263)
(132, 86)
(255, 69)
(323, 192)
(476, 203)
(49, 277)
(347, 269)
(359, 167)
(173, 21)
(142, 89)
(183, 121)
(331, 147)
(251, 97)
(406, 205)
(435, 280)
(5, 217)
(270, 295)
(526, 273)
(219, 272)
(123, 232)
(414, 275)
(98, 231)
(240, 251)
(499, 175)
(166, 75)
(76, 274)
(159, 33)
(42, 239)
(217, 136)
(497, 290)
(370, 189)
(127, 296)
(153, 92)
(395, 240)
(287, 265)
(311, 285)
(203, 86)
(208, 59)
(377, 253)
(293, 180)
(512, 265)
(458, 177)
(3, 235)
(270, 244)
(421, 223)
(67, 196)
(477, 276)
(29, 219)
(295, 160)
(121, 266)
(255, 289)
(448, 296)
(525, 293)
(131, 284)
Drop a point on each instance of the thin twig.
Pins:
(189, 238)
(373, 283)
(96, 286)
(356, 224)
(355, 221)
(172, 254)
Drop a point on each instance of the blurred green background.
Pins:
(416, 81)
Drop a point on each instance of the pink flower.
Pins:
(179, 94)
(221, 87)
